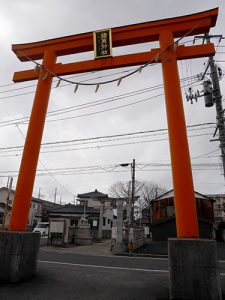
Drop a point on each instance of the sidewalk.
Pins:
(150, 249)
(100, 249)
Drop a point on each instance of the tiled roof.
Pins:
(34, 199)
(96, 194)
(73, 209)
(170, 194)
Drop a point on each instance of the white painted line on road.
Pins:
(102, 267)
(141, 257)
(107, 267)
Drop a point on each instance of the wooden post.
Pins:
(24, 189)
(184, 198)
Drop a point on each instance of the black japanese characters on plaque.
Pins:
(103, 43)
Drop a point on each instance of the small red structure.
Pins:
(163, 216)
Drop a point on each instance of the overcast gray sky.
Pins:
(95, 165)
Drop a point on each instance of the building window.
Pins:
(72, 222)
(104, 221)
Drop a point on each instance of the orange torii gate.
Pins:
(169, 52)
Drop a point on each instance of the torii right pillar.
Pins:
(193, 262)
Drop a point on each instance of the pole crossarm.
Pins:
(121, 36)
(182, 52)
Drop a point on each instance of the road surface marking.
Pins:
(107, 267)
(103, 267)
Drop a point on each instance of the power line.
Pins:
(105, 138)
(65, 189)
(67, 84)
(104, 110)
(113, 167)
(85, 105)
(66, 173)
(108, 145)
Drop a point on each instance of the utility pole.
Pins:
(131, 199)
(218, 103)
(213, 95)
(55, 196)
(8, 180)
(132, 193)
(131, 205)
(39, 193)
(7, 202)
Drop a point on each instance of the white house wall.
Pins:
(34, 209)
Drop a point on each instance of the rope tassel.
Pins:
(119, 81)
(140, 69)
(76, 88)
(36, 69)
(97, 87)
(58, 83)
(44, 76)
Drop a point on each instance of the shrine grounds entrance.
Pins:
(185, 253)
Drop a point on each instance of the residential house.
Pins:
(219, 207)
(97, 209)
(38, 208)
(99, 200)
(64, 222)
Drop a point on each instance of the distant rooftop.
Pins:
(170, 194)
(34, 199)
(216, 195)
(73, 209)
(94, 195)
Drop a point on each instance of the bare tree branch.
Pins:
(147, 191)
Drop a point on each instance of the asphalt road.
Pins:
(65, 276)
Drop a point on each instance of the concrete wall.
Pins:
(161, 231)
(137, 238)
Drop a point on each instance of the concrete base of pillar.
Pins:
(194, 269)
(118, 248)
(18, 255)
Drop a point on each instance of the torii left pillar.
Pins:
(19, 214)
(22, 246)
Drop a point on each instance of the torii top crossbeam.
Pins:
(121, 36)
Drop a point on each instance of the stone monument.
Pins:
(83, 235)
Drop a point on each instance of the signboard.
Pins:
(114, 233)
(56, 226)
(103, 43)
